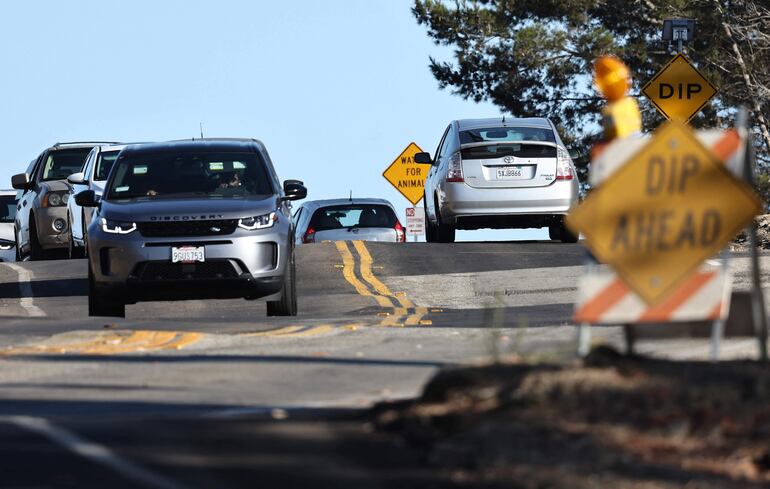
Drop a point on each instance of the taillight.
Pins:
(400, 232)
(455, 171)
(309, 236)
(564, 169)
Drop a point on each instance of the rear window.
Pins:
(63, 163)
(499, 134)
(7, 208)
(354, 215)
(189, 174)
(491, 151)
(104, 164)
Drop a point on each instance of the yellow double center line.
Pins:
(112, 343)
(400, 311)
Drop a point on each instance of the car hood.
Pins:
(57, 185)
(6, 231)
(186, 209)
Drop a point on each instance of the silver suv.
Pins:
(192, 220)
(41, 219)
(499, 173)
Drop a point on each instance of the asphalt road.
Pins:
(215, 394)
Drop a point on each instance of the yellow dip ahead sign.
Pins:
(658, 217)
(407, 176)
(679, 91)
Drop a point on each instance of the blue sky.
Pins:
(334, 88)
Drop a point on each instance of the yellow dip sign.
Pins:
(673, 205)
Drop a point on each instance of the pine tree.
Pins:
(534, 57)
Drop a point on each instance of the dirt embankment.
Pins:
(610, 422)
(741, 242)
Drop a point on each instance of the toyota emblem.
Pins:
(509, 160)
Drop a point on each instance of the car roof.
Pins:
(206, 144)
(317, 204)
(465, 124)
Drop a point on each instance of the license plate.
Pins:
(510, 172)
(187, 254)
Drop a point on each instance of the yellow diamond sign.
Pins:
(407, 176)
(656, 219)
(679, 91)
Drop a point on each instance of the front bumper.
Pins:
(248, 264)
(515, 207)
(48, 237)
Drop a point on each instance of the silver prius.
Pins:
(348, 219)
(499, 173)
(7, 215)
(192, 220)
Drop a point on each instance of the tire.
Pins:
(35, 250)
(72, 250)
(444, 232)
(287, 305)
(430, 229)
(100, 304)
(18, 250)
(554, 231)
(566, 235)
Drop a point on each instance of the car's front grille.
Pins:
(172, 229)
(214, 269)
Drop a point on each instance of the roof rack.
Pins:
(84, 142)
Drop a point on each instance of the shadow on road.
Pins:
(71, 287)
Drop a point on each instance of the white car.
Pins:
(347, 219)
(7, 216)
(93, 177)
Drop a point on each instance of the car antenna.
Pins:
(351, 195)
(503, 120)
(201, 125)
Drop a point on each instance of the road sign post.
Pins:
(407, 176)
(415, 221)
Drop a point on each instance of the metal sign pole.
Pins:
(757, 296)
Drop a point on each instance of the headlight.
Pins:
(117, 227)
(6, 245)
(54, 200)
(65, 198)
(258, 222)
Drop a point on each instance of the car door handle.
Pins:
(24, 203)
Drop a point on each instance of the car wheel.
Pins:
(100, 304)
(430, 229)
(287, 305)
(566, 235)
(73, 250)
(18, 249)
(35, 250)
(85, 235)
(444, 232)
(554, 231)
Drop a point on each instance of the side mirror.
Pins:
(578, 157)
(294, 190)
(20, 181)
(86, 198)
(423, 158)
(77, 178)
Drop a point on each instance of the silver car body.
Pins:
(304, 214)
(482, 200)
(7, 240)
(137, 266)
(80, 217)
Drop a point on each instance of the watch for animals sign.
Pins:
(407, 176)
(669, 208)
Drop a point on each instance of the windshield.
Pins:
(190, 174)
(350, 216)
(500, 134)
(104, 164)
(63, 163)
(7, 208)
